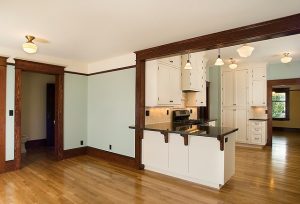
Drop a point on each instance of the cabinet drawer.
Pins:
(256, 130)
(256, 138)
(256, 124)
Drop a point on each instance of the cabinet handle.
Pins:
(171, 61)
(171, 101)
(234, 104)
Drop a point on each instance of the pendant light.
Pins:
(188, 64)
(29, 46)
(286, 58)
(232, 64)
(245, 50)
(219, 61)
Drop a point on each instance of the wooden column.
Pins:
(18, 89)
(59, 116)
(2, 111)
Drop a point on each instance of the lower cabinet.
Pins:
(201, 161)
(257, 132)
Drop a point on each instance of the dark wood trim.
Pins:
(113, 70)
(2, 112)
(12, 64)
(280, 27)
(25, 65)
(36, 143)
(286, 129)
(270, 84)
(10, 166)
(78, 73)
(58, 71)
(75, 152)
(111, 157)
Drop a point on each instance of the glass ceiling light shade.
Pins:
(219, 61)
(286, 58)
(29, 46)
(232, 64)
(245, 50)
(188, 64)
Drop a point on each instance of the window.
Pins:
(280, 104)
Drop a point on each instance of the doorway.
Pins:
(58, 72)
(283, 120)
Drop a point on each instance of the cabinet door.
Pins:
(259, 73)
(241, 124)
(163, 84)
(241, 88)
(175, 93)
(155, 151)
(259, 93)
(228, 118)
(227, 88)
(178, 154)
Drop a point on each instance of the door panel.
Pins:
(163, 79)
(228, 88)
(241, 88)
(241, 124)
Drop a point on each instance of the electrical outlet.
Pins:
(147, 113)
(110, 147)
(191, 110)
(81, 142)
(167, 112)
(10, 112)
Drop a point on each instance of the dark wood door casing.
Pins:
(280, 27)
(270, 84)
(2, 111)
(58, 71)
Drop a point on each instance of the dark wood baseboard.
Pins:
(35, 143)
(111, 157)
(286, 129)
(10, 166)
(75, 152)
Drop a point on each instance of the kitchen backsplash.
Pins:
(164, 114)
(258, 113)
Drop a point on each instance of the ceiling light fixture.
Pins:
(245, 50)
(188, 64)
(286, 58)
(232, 64)
(29, 46)
(219, 61)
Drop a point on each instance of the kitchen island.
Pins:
(198, 153)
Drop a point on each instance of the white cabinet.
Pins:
(258, 93)
(163, 84)
(235, 88)
(159, 158)
(258, 132)
(171, 61)
(237, 118)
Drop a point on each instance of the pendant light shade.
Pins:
(29, 46)
(245, 50)
(188, 64)
(286, 58)
(232, 64)
(219, 61)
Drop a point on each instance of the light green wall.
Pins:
(10, 105)
(283, 71)
(111, 109)
(215, 93)
(75, 110)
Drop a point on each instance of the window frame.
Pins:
(287, 103)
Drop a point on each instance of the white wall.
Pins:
(34, 96)
(111, 110)
(112, 63)
(75, 110)
(10, 120)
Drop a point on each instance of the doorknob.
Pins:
(54, 122)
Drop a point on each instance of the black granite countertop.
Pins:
(196, 130)
(258, 119)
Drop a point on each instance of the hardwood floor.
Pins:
(262, 176)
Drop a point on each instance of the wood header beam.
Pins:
(25, 65)
(280, 27)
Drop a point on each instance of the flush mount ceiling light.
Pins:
(286, 58)
(29, 46)
(245, 50)
(188, 64)
(219, 61)
(232, 64)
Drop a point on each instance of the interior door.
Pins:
(50, 114)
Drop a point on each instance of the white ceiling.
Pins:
(92, 30)
(267, 51)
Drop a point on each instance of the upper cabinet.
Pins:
(163, 87)
(258, 87)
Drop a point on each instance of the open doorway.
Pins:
(22, 66)
(38, 116)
